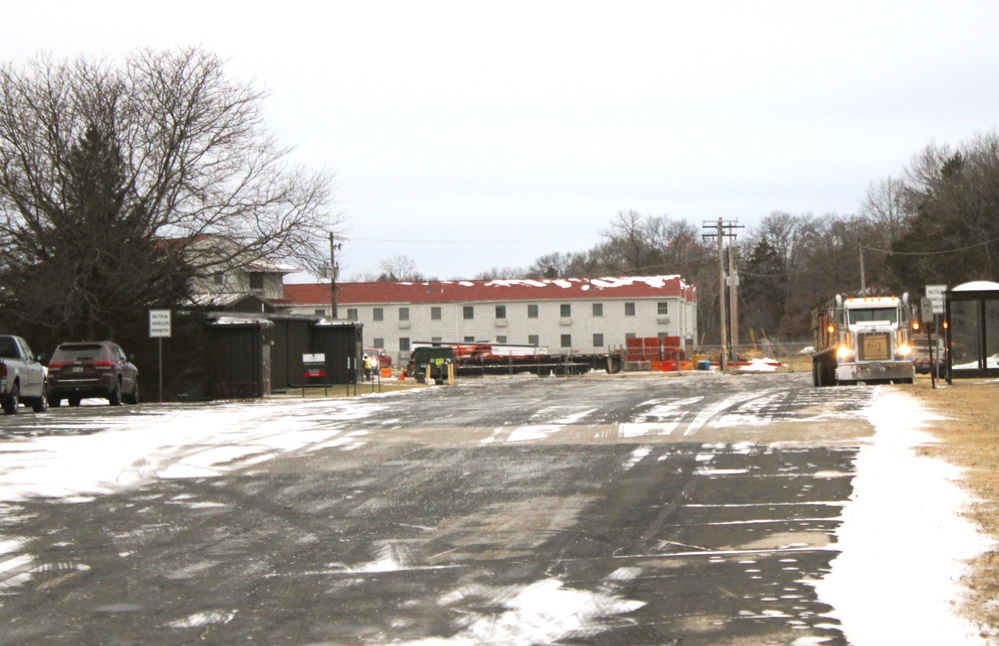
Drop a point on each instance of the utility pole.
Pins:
(721, 297)
(720, 234)
(334, 245)
(733, 297)
(863, 287)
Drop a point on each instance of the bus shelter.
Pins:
(972, 319)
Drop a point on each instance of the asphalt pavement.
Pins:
(592, 510)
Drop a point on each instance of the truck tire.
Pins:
(11, 401)
(613, 365)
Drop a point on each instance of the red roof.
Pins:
(467, 291)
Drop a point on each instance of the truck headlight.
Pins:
(844, 353)
(904, 350)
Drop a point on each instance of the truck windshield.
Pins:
(889, 314)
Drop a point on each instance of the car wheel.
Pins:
(54, 402)
(133, 397)
(41, 405)
(115, 397)
(11, 401)
(74, 401)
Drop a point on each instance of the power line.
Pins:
(932, 253)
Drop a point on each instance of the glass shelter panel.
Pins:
(966, 334)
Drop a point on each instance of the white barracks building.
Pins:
(593, 315)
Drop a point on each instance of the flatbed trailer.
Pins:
(480, 359)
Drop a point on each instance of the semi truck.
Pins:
(863, 339)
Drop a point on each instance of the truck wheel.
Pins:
(11, 401)
(613, 365)
(74, 401)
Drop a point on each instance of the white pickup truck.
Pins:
(22, 376)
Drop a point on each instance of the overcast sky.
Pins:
(472, 135)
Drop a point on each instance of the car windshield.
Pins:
(78, 353)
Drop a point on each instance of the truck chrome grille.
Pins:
(874, 347)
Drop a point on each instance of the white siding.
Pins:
(517, 327)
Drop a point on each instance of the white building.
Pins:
(593, 315)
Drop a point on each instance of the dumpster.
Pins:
(430, 363)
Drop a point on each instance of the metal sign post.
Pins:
(926, 315)
(936, 295)
(159, 329)
(314, 367)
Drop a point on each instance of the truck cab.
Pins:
(864, 339)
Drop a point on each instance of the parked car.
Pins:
(22, 376)
(92, 369)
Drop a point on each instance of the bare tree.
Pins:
(564, 265)
(632, 243)
(160, 169)
(497, 273)
(399, 269)
(884, 207)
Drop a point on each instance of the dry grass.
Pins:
(972, 442)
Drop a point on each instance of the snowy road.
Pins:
(699, 510)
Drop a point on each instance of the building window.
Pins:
(351, 313)
(565, 311)
(319, 312)
(501, 311)
(404, 344)
(598, 340)
(378, 343)
(468, 312)
(436, 339)
(378, 314)
(598, 310)
(532, 311)
(662, 308)
(629, 335)
(469, 339)
(219, 279)
(403, 313)
(256, 280)
(435, 313)
(501, 339)
(533, 339)
(629, 309)
(566, 340)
